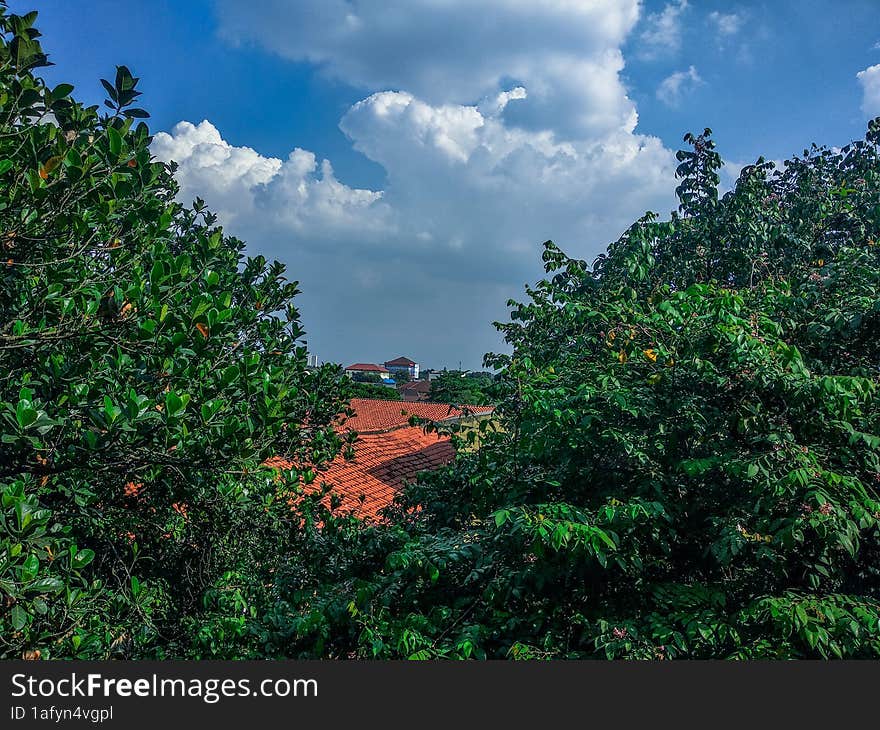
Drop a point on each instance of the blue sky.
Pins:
(406, 158)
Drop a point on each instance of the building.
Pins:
(405, 366)
(415, 390)
(367, 368)
(388, 453)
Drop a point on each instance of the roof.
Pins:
(383, 462)
(372, 416)
(367, 367)
(388, 452)
(401, 362)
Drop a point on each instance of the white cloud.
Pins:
(243, 186)
(662, 33)
(870, 81)
(726, 24)
(494, 136)
(674, 87)
(566, 53)
(457, 230)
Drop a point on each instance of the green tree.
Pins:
(375, 391)
(463, 388)
(149, 369)
(688, 459)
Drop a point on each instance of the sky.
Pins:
(406, 159)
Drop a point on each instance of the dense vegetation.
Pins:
(685, 462)
(376, 391)
(145, 380)
(460, 387)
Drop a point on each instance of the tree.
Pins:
(462, 388)
(149, 370)
(366, 378)
(375, 391)
(688, 459)
(401, 375)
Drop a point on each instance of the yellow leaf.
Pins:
(48, 166)
(203, 329)
(622, 356)
(650, 354)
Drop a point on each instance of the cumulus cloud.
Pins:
(726, 24)
(662, 32)
(494, 136)
(457, 229)
(870, 81)
(675, 86)
(242, 185)
(566, 53)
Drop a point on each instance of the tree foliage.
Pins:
(375, 391)
(149, 367)
(688, 460)
(458, 387)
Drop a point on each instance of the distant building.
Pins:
(416, 390)
(403, 365)
(366, 368)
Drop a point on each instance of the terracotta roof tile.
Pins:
(387, 453)
(385, 415)
(400, 362)
(367, 367)
(382, 463)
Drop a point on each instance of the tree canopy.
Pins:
(460, 387)
(149, 367)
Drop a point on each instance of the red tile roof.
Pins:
(417, 390)
(401, 362)
(367, 367)
(373, 416)
(387, 453)
(381, 464)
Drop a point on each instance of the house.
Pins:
(388, 453)
(415, 390)
(367, 368)
(405, 366)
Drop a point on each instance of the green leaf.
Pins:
(83, 558)
(5, 165)
(25, 414)
(46, 585)
(30, 568)
(501, 516)
(19, 617)
(115, 141)
(61, 91)
(176, 404)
